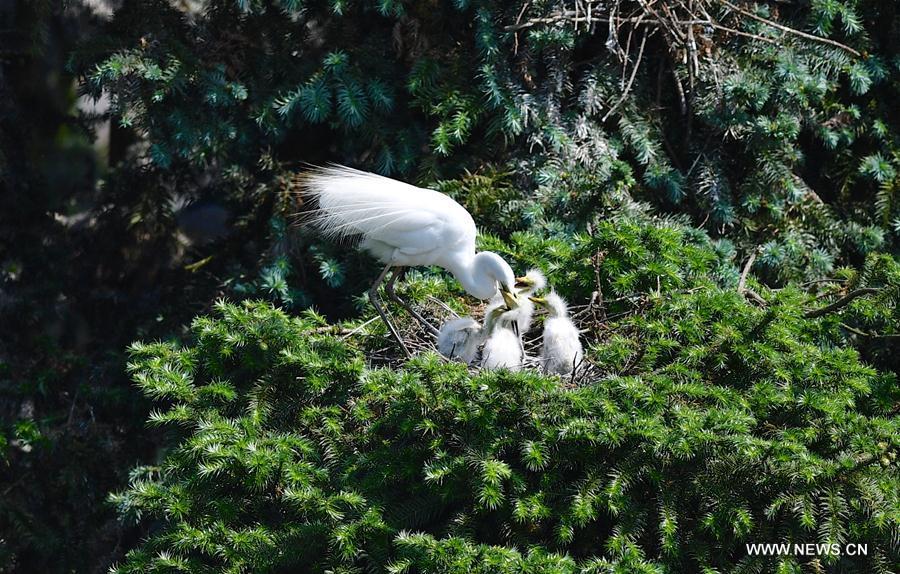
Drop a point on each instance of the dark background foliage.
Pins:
(148, 152)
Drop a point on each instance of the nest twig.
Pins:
(382, 351)
(685, 25)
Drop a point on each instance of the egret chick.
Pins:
(459, 339)
(503, 348)
(561, 352)
(534, 280)
(403, 226)
(531, 282)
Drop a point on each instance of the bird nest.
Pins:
(383, 351)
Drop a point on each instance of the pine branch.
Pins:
(634, 70)
(862, 333)
(790, 30)
(743, 282)
(840, 303)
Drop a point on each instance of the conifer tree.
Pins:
(715, 179)
(711, 423)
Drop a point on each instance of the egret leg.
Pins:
(376, 302)
(519, 337)
(389, 288)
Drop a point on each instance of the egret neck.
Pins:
(481, 275)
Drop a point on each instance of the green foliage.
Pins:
(625, 256)
(641, 166)
(264, 495)
(716, 424)
(779, 142)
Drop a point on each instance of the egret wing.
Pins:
(406, 217)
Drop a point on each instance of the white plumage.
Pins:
(403, 226)
(561, 351)
(531, 282)
(459, 339)
(534, 280)
(503, 347)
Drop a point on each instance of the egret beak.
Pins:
(508, 297)
(538, 300)
(524, 282)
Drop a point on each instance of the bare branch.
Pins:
(728, 30)
(565, 16)
(743, 282)
(679, 88)
(840, 303)
(634, 70)
(750, 293)
(519, 19)
(679, 30)
(790, 30)
(870, 335)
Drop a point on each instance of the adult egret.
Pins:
(403, 226)
(562, 351)
(460, 339)
(503, 347)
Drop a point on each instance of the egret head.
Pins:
(466, 324)
(489, 272)
(501, 313)
(554, 304)
(510, 298)
(532, 281)
(496, 313)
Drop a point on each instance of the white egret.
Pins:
(403, 226)
(503, 347)
(460, 339)
(561, 352)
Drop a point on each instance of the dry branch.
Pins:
(627, 89)
(840, 303)
(790, 30)
(676, 20)
(743, 282)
